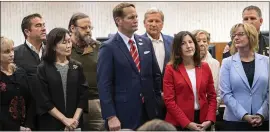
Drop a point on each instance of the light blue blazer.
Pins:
(236, 93)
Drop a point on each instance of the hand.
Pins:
(194, 126)
(25, 129)
(226, 49)
(114, 124)
(249, 118)
(70, 123)
(206, 125)
(258, 121)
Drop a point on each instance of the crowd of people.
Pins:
(65, 80)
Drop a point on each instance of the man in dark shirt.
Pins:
(85, 50)
(28, 55)
(252, 15)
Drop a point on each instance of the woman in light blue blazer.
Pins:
(244, 82)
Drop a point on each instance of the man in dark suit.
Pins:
(252, 15)
(28, 55)
(128, 74)
(153, 23)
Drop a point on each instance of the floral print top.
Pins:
(15, 99)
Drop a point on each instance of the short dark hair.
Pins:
(118, 10)
(252, 7)
(176, 53)
(74, 18)
(54, 37)
(156, 125)
(26, 22)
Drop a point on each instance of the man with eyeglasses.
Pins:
(85, 50)
(252, 15)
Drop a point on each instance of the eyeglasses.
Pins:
(240, 34)
(86, 27)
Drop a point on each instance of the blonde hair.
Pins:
(252, 34)
(199, 31)
(5, 40)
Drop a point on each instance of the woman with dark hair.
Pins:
(62, 96)
(188, 86)
(15, 96)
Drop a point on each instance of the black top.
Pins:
(15, 101)
(50, 94)
(249, 68)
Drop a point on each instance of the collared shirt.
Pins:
(126, 39)
(215, 67)
(34, 49)
(159, 50)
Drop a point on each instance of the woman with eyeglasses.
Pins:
(244, 82)
(62, 96)
(15, 96)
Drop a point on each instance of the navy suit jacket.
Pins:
(120, 83)
(168, 48)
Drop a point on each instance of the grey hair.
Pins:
(153, 10)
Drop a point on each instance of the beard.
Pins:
(83, 40)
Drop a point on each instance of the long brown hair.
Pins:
(176, 54)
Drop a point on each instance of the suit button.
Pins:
(250, 94)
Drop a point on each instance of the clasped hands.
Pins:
(199, 127)
(70, 123)
(254, 120)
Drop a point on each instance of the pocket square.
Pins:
(146, 52)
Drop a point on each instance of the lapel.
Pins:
(140, 45)
(258, 70)
(183, 71)
(121, 44)
(167, 49)
(198, 72)
(239, 68)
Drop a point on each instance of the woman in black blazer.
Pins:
(62, 94)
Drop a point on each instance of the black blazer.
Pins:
(50, 94)
(26, 58)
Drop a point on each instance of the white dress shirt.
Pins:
(192, 77)
(159, 50)
(126, 39)
(34, 48)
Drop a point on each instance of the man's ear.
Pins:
(118, 20)
(72, 28)
(261, 20)
(27, 32)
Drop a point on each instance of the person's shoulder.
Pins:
(75, 63)
(19, 47)
(266, 58)
(19, 70)
(167, 36)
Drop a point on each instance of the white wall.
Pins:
(215, 17)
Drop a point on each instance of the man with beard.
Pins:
(85, 50)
